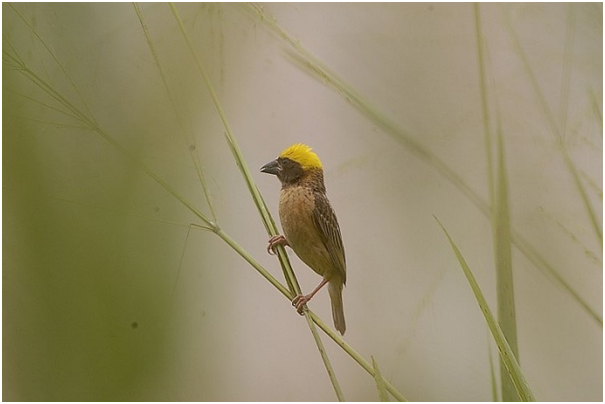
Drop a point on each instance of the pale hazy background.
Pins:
(109, 294)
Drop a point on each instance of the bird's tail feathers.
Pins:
(338, 314)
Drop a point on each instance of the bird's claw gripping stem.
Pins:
(299, 302)
(275, 241)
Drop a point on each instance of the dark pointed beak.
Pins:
(271, 167)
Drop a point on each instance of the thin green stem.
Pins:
(382, 391)
(324, 356)
(353, 354)
(260, 204)
(506, 353)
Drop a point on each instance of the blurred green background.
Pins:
(110, 294)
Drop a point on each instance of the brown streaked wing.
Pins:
(329, 231)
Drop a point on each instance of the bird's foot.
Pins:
(275, 241)
(299, 301)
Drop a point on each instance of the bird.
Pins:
(309, 224)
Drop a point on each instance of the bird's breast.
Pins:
(296, 205)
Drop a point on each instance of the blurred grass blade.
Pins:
(595, 107)
(492, 374)
(481, 45)
(500, 218)
(558, 132)
(506, 353)
(187, 134)
(54, 57)
(567, 63)
(504, 271)
(382, 391)
(310, 64)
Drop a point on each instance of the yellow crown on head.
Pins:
(303, 155)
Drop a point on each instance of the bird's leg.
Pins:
(299, 301)
(275, 241)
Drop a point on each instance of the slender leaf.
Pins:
(498, 186)
(492, 375)
(504, 271)
(506, 353)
